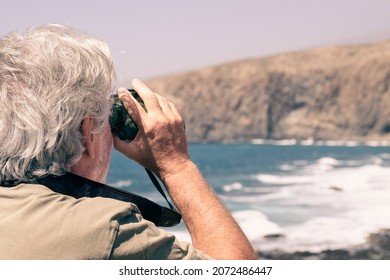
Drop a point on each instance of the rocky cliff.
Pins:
(333, 93)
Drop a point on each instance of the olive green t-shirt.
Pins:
(37, 223)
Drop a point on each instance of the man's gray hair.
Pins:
(51, 78)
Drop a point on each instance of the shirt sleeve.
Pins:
(140, 239)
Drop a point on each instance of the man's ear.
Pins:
(89, 137)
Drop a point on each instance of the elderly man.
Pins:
(54, 111)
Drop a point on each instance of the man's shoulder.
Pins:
(56, 226)
(66, 205)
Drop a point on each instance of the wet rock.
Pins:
(335, 188)
(274, 236)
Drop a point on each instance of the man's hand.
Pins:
(160, 144)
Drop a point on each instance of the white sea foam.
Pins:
(255, 224)
(232, 187)
(122, 184)
(284, 142)
(378, 143)
(282, 180)
(322, 165)
(258, 141)
(329, 143)
(348, 229)
(328, 161)
(287, 167)
(335, 209)
(343, 204)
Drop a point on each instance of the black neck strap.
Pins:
(77, 186)
(158, 187)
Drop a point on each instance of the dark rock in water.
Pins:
(273, 236)
(336, 189)
(376, 248)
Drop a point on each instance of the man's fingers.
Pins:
(129, 149)
(163, 102)
(154, 102)
(132, 106)
(147, 95)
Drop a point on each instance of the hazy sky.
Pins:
(152, 38)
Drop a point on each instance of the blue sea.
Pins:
(312, 195)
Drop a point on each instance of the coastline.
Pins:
(374, 142)
(377, 247)
(353, 142)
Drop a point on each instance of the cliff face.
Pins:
(333, 93)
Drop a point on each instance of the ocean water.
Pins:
(309, 195)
